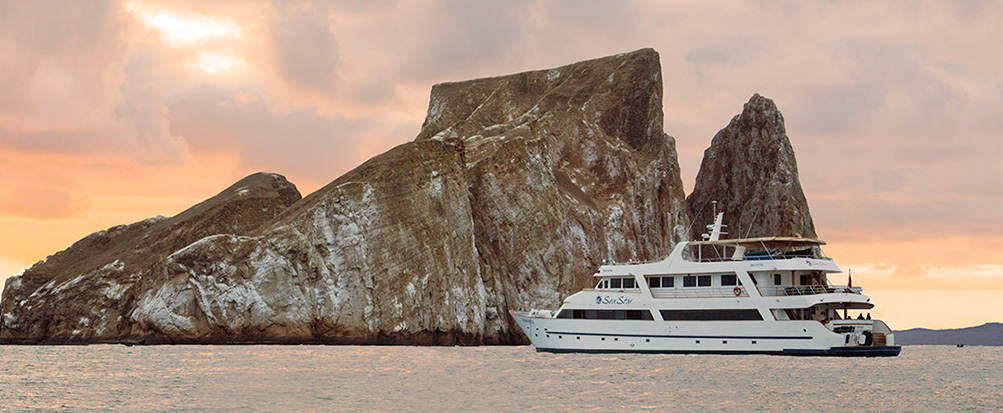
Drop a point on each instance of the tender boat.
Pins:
(753, 295)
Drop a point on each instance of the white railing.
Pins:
(808, 290)
(698, 292)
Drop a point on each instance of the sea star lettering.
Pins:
(621, 300)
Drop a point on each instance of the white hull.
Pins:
(787, 337)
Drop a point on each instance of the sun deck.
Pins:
(755, 249)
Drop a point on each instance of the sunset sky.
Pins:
(112, 112)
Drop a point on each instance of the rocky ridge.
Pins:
(514, 190)
(83, 293)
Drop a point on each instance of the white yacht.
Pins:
(753, 295)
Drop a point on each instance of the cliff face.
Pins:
(512, 193)
(566, 167)
(384, 254)
(751, 171)
(80, 294)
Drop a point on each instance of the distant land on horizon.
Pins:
(989, 334)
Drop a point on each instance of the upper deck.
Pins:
(754, 249)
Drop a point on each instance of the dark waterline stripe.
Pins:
(683, 336)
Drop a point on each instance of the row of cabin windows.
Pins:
(805, 279)
(668, 282)
(745, 314)
(607, 314)
(691, 281)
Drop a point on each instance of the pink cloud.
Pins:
(893, 109)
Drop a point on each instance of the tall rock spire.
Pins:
(750, 170)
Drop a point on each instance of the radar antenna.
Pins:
(714, 230)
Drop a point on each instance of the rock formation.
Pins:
(81, 294)
(513, 192)
(567, 167)
(750, 170)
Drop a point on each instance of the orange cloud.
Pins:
(41, 202)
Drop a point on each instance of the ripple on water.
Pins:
(487, 379)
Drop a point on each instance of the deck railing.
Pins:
(808, 290)
(698, 292)
(753, 258)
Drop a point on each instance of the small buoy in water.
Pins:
(960, 345)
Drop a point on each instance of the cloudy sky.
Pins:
(111, 112)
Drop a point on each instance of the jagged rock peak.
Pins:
(751, 171)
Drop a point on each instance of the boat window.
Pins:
(607, 314)
(668, 282)
(690, 281)
(748, 314)
(638, 315)
(776, 279)
(703, 281)
(629, 283)
(804, 279)
(655, 282)
(616, 283)
(729, 279)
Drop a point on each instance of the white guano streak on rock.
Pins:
(158, 307)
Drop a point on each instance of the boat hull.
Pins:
(795, 338)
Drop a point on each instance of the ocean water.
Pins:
(350, 378)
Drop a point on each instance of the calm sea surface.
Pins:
(283, 378)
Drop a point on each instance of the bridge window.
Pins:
(668, 282)
(777, 279)
(690, 281)
(703, 281)
(729, 279)
(655, 282)
(617, 283)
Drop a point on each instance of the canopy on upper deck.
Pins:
(768, 242)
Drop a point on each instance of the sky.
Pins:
(112, 112)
